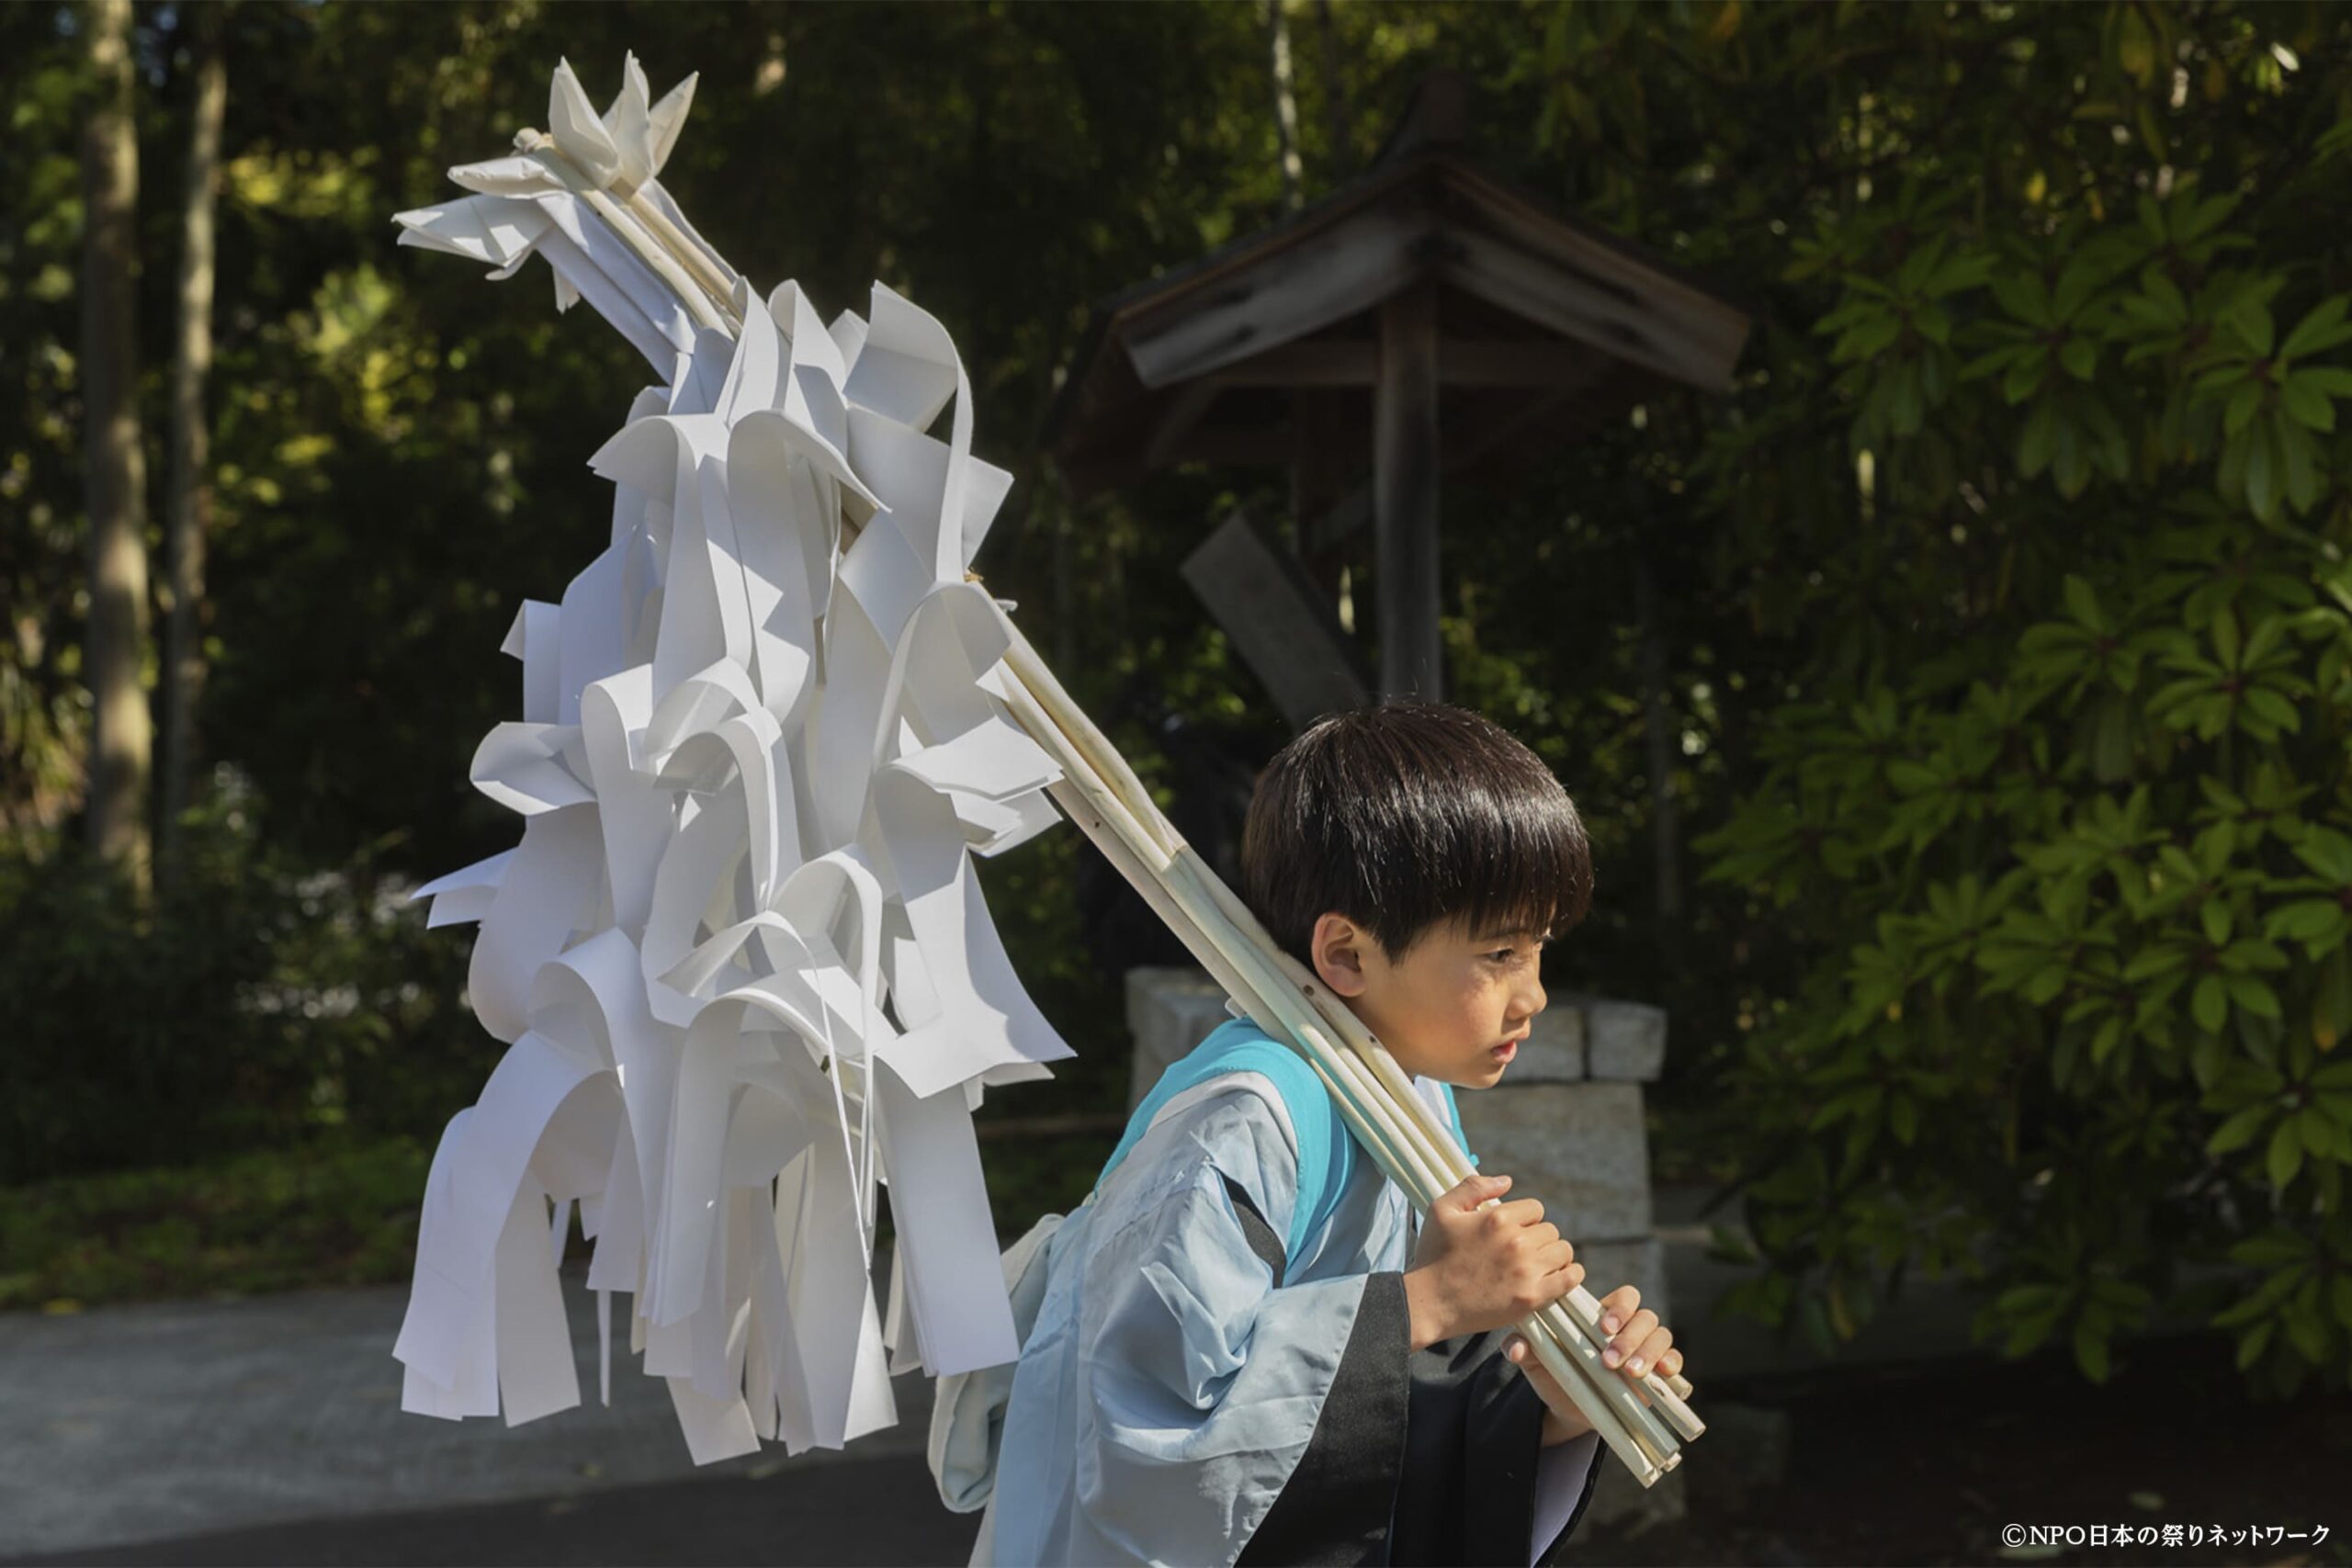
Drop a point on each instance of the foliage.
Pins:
(339, 1213)
(400, 458)
(2002, 600)
(256, 1001)
(2056, 809)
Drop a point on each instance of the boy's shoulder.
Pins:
(1239, 1058)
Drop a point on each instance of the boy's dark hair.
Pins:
(1405, 814)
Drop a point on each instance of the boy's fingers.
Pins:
(1523, 1211)
(1647, 1354)
(1629, 1338)
(1472, 1190)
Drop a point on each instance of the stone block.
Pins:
(1554, 1051)
(1169, 1011)
(1624, 1042)
(1580, 1147)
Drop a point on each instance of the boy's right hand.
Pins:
(1478, 1268)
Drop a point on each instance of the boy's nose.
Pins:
(1530, 998)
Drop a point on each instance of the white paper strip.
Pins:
(759, 740)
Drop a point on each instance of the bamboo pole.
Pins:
(1639, 1454)
(715, 312)
(1401, 1142)
(1112, 805)
(707, 271)
(1586, 1311)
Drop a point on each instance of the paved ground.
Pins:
(270, 1431)
(170, 1420)
(878, 1511)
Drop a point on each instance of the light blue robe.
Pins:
(1193, 1357)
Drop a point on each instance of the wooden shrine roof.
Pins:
(1549, 327)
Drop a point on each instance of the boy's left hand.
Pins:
(1638, 1344)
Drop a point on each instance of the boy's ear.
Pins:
(1337, 948)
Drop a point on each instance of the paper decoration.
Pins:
(740, 954)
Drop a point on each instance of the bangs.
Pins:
(1408, 816)
(1534, 881)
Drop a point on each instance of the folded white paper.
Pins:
(740, 953)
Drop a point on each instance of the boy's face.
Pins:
(1454, 1006)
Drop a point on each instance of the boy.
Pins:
(1243, 1353)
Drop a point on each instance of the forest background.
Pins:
(1959, 703)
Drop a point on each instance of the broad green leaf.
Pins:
(2214, 916)
(2261, 473)
(2252, 322)
(2090, 1352)
(2322, 330)
(2244, 404)
(2306, 403)
(2286, 1155)
(2225, 633)
(2254, 996)
(2210, 1004)
(2082, 602)
(2239, 1130)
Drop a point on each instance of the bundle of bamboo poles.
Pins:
(1103, 796)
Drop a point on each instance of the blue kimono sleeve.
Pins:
(1205, 1377)
(1193, 1397)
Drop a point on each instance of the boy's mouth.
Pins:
(1506, 1050)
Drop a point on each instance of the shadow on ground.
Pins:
(880, 1511)
(1888, 1464)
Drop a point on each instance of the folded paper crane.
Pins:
(740, 956)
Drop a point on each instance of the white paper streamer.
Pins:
(753, 769)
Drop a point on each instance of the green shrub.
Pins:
(2079, 882)
(255, 1002)
(337, 1211)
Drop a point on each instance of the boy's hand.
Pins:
(1479, 1269)
(1638, 1344)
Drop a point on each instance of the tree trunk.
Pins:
(1335, 95)
(1405, 486)
(190, 500)
(115, 466)
(1285, 102)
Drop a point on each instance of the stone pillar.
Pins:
(1567, 1124)
(1168, 1012)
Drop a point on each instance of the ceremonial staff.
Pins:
(688, 716)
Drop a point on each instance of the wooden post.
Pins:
(1279, 621)
(1404, 493)
(1318, 480)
